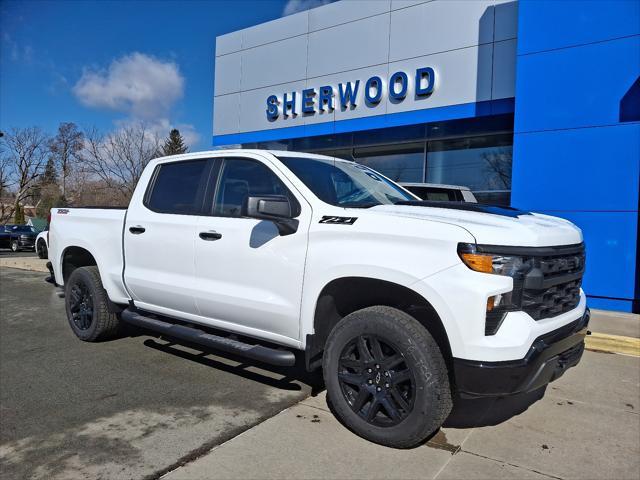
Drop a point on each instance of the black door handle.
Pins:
(210, 236)
(137, 230)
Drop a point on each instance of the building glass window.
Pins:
(400, 163)
(481, 163)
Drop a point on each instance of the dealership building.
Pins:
(534, 104)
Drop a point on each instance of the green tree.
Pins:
(174, 144)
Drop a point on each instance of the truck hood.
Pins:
(491, 225)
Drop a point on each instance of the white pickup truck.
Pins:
(403, 303)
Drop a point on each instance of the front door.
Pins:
(248, 276)
(160, 236)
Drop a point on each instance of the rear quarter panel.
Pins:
(99, 231)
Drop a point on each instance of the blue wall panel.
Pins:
(577, 134)
(610, 238)
(576, 87)
(550, 24)
(593, 169)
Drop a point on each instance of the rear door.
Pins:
(159, 237)
(248, 277)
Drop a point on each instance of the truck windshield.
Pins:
(345, 184)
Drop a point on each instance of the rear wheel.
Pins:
(386, 378)
(42, 250)
(87, 306)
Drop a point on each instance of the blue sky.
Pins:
(106, 63)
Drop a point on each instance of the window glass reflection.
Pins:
(481, 163)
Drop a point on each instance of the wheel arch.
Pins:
(345, 295)
(74, 257)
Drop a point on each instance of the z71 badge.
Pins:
(338, 220)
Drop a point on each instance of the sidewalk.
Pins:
(578, 430)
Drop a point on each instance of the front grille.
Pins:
(552, 286)
(552, 301)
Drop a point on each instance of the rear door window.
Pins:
(178, 188)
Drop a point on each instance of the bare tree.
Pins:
(498, 168)
(25, 152)
(66, 148)
(118, 158)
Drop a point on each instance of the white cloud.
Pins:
(138, 84)
(295, 6)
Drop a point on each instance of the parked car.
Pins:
(440, 192)
(21, 237)
(42, 244)
(403, 303)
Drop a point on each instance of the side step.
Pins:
(272, 356)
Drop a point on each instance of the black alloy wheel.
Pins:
(376, 381)
(81, 305)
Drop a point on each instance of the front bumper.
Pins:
(26, 242)
(548, 358)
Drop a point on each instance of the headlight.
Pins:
(475, 259)
(488, 260)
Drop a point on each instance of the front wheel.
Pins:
(386, 378)
(15, 246)
(87, 308)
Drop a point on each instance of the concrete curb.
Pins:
(601, 342)
(25, 263)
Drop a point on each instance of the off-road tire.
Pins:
(104, 324)
(432, 393)
(42, 250)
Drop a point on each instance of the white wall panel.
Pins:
(362, 110)
(440, 26)
(356, 39)
(253, 108)
(226, 114)
(227, 73)
(229, 43)
(285, 27)
(462, 76)
(504, 69)
(347, 47)
(274, 63)
(344, 12)
(396, 4)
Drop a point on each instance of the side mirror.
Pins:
(276, 208)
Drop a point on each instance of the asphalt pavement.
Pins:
(128, 408)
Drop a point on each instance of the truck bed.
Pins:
(96, 229)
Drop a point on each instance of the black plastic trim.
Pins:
(531, 251)
(548, 358)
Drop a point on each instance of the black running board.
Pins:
(261, 353)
